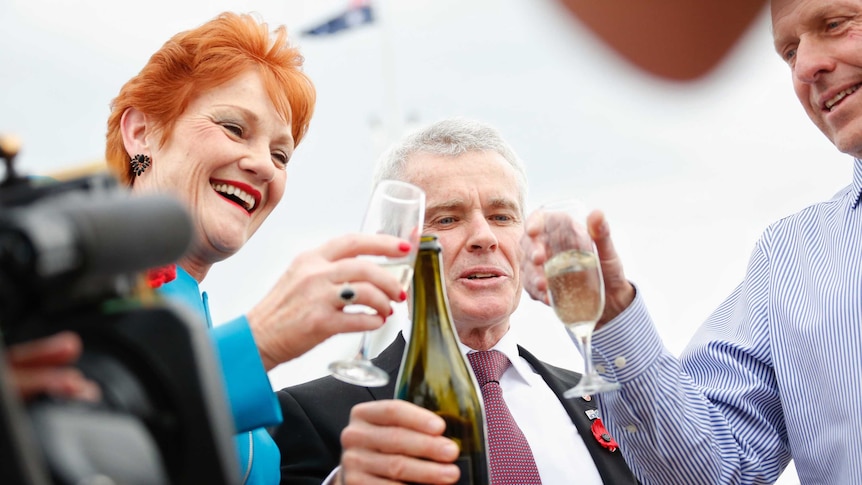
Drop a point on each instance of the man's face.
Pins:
(472, 206)
(821, 40)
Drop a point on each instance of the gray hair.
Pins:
(450, 138)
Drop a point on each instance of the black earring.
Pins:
(140, 163)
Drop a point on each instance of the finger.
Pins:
(539, 289)
(363, 466)
(352, 245)
(533, 256)
(539, 255)
(601, 233)
(395, 440)
(394, 412)
(63, 382)
(535, 224)
(372, 300)
(535, 281)
(358, 321)
(355, 270)
(58, 349)
(360, 477)
(612, 267)
(87, 391)
(533, 249)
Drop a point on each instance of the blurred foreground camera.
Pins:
(71, 256)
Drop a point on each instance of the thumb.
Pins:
(619, 293)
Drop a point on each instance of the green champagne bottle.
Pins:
(435, 375)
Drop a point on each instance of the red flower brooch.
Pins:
(156, 277)
(602, 436)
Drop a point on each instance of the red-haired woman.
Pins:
(213, 118)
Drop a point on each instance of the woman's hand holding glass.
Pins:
(396, 208)
(304, 307)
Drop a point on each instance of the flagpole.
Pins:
(391, 117)
(392, 129)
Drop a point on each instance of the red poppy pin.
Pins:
(156, 277)
(602, 436)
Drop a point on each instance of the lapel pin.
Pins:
(602, 436)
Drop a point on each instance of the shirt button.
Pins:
(620, 362)
(632, 428)
(600, 368)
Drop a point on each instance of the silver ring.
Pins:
(347, 294)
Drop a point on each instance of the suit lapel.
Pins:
(610, 465)
(390, 361)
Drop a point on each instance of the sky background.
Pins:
(688, 175)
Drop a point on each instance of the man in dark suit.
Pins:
(340, 433)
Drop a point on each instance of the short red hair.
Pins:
(200, 59)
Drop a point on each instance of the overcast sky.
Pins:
(689, 175)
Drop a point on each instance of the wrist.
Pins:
(617, 302)
(259, 334)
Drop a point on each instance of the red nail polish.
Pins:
(391, 311)
(404, 247)
(403, 295)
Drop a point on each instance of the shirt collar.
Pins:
(508, 345)
(186, 289)
(186, 280)
(857, 182)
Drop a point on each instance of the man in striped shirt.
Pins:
(774, 374)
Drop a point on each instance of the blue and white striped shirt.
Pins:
(775, 373)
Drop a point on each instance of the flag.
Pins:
(358, 13)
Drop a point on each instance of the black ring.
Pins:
(347, 294)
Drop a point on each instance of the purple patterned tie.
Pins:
(511, 458)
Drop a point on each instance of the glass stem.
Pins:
(587, 350)
(363, 347)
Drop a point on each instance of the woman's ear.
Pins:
(134, 128)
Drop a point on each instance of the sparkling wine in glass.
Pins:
(398, 209)
(575, 286)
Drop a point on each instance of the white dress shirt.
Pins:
(558, 448)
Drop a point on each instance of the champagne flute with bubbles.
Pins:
(398, 209)
(576, 289)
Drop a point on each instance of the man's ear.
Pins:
(135, 128)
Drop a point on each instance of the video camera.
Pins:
(71, 258)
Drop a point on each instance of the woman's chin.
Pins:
(217, 250)
(225, 251)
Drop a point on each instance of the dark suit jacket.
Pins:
(316, 412)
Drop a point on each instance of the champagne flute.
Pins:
(575, 286)
(396, 208)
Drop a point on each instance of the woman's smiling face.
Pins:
(226, 159)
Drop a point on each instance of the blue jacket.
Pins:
(252, 401)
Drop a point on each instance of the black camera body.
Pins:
(71, 256)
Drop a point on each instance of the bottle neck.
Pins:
(429, 295)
